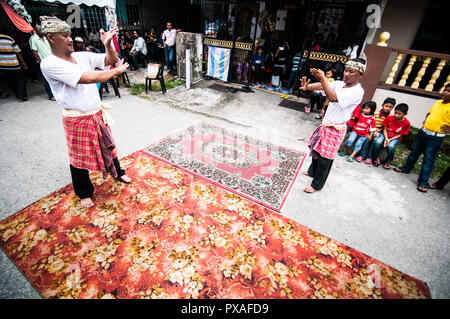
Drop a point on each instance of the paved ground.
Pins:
(370, 209)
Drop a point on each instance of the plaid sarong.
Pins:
(326, 141)
(90, 143)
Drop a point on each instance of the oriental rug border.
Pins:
(271, 193)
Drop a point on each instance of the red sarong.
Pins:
(326, 141)
(84, 140)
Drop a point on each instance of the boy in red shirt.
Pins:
(363, 128)
(394, 127)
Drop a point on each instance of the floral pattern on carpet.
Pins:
(170, 234)
(255, 169)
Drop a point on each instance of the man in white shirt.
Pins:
(41, 49)
(72, 78)
(169, 40)
(94, 37)
(344, 96)
(138, 50)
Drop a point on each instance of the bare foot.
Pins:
(125, 178)
(306, 173)
(86, 203)
(309, 189)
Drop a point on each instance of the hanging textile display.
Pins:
(121, 12)
(21, 20)
(19, 8)
(111, 22)
(218, 63)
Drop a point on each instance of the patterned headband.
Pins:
(358, 66)
(53, 25)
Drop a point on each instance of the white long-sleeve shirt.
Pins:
(140, 46)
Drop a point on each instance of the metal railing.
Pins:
(411, 71)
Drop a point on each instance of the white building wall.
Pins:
(418, 106)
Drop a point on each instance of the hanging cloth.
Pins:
(16, 19)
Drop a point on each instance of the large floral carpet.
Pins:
(255, 169)
(169, 234)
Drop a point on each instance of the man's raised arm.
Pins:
(111, 54)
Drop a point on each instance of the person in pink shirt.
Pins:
(169, 41)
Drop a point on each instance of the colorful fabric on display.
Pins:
(255, 169)
(20, 23)
(326, 141)
(90, 146)
(218, 63)
(169, 234)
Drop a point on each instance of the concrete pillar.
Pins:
(188, 69)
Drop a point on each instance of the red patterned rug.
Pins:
(255, 169)
(169, 234)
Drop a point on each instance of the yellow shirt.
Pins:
(439, 115)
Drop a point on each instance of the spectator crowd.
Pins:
(22, 54)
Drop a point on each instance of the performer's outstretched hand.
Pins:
(304, 83)
(121, 67)
(106, 37)
(318, 74)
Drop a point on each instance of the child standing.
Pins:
(384, 112)
(394, 126)
(362, 131)
(318, 96)
(329, 74)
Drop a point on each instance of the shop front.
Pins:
(325, 34)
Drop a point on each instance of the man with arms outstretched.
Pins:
(72, 78)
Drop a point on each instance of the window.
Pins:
(95, 17)
(133, 13)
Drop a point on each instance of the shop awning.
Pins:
(16, 19)
(99, 3)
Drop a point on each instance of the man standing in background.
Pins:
(12, 67)
(41, 49)
(169, 40)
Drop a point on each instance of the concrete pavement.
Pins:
(375, 211)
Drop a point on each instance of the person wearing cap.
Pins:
(72, 78)
(343, 97)
(78, 44)
(41, 49)
(429, 140)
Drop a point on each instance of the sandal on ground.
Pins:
(375, 163)
(318, 117)
(368, 161)
(387, 166)
(422, 189)
(350, 159)
(398, 170)
(342, 153)
(359, 159)
(307, 110)
(434, 186)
